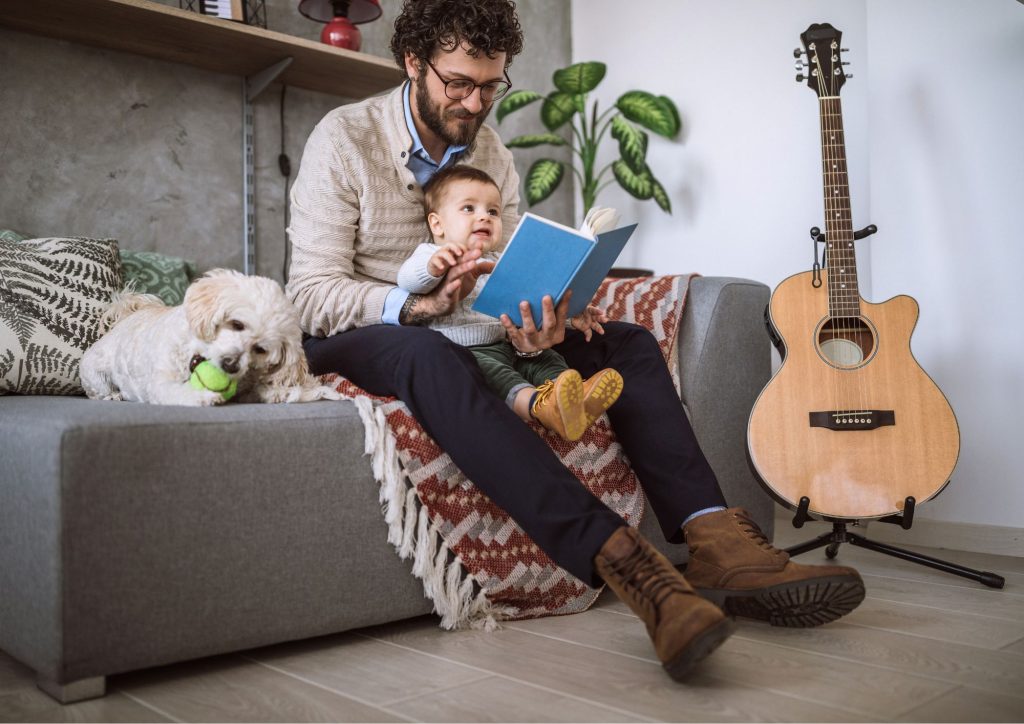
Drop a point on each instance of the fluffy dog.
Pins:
(242, 324)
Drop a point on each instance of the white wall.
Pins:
(946, 142)
(936, 160)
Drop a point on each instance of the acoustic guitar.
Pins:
(849, 420)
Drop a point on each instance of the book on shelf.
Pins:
(544, 257)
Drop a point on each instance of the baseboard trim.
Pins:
(995, 539)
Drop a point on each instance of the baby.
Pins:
(463, 207)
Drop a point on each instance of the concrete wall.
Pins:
(936, 160)
(102, 143)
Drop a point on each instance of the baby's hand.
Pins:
(444, 259)
(589, 321)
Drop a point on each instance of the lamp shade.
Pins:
(323, 11)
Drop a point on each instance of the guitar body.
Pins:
(856, 370)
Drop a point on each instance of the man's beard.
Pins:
(445, 124)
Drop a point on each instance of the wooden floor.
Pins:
(924, 646)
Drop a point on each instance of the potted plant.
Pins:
(632, 112)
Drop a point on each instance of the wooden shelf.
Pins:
(180, 36)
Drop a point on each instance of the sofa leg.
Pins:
(73, 691)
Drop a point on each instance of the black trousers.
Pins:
(444, 389)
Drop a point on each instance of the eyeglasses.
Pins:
(461, 88)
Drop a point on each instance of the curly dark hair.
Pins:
(489, 26)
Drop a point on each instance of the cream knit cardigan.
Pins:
(357, 211)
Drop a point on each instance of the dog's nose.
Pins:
(229, 364)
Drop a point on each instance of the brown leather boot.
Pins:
(684, 627)
(734, 565)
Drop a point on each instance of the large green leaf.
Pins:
(542, 179)
(639, 185)
(580, 77)
(656, 114)
(671, 107)
(514, 101)
(661, 197)
(537, 139)
(557, 109)
(632, 143)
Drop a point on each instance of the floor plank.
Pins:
(35, 706)
(936, 623)
(622, 681)
(230, 689)
(1017, 647)
(992, 671)
(1006, 604)
(498, 699)
(967, 704)
(866, 691)
(357, 666)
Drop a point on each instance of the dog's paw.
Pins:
(209, 398)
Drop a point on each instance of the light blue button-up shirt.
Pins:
(423, 168)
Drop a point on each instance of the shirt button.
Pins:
(410, 187)
(403, 154)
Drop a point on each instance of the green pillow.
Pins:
(52, 293)
(150, 273)
(10, 235)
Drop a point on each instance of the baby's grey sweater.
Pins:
(463, 326)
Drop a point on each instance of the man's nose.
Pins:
(473, 102)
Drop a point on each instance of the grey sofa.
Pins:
(136, 535)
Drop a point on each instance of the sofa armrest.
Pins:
(724, 363)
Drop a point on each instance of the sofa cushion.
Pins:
(148, 272)
(52, 292)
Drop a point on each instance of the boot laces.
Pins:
(751, 529)
(544, 391)
(647, 582)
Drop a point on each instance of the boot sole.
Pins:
(702, 645)
(570, 407)
(603, 395)
(800, 604)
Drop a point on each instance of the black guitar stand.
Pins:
(818, 237)
(839, 535)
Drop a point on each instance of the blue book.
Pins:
(544, 257)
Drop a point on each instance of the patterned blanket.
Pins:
(477, 565)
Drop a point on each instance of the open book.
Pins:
(545, 257)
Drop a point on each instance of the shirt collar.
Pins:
(417, 144)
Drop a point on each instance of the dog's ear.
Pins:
(203, 308)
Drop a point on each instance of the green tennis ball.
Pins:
(208, 376)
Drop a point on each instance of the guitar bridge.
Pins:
(853, 419)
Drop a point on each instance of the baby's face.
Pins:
(470, 211)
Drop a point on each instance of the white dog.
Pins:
(242, 324)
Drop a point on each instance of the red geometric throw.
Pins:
(477, 565)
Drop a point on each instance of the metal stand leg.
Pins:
(839, 535)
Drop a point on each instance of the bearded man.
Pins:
(357, 214)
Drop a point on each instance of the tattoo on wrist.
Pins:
(407, 317)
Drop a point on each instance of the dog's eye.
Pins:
(236, 325)
(259, 350)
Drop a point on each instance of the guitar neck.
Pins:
(843, 292)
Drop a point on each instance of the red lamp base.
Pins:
(341, 33)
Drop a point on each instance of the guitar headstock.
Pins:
(824, 59)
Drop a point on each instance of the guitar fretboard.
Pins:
(843, 292)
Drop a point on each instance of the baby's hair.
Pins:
(433, 191)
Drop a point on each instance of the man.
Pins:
(357, 214)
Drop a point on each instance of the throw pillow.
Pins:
(150, 273)
(52, 293)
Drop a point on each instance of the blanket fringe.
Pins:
(445, 582)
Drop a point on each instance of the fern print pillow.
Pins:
(52, 293)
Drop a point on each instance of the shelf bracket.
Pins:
(252, 86)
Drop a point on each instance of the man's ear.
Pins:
(412, 65)
(436, 227)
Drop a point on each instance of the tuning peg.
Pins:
(845, 50)
(800, 77)
(849, 75)
(800, 64)
(797, 52)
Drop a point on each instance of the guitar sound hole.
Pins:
(845, 341)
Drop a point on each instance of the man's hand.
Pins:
(457, 283)
(444, 259)
(589, 321)
(529, 338)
